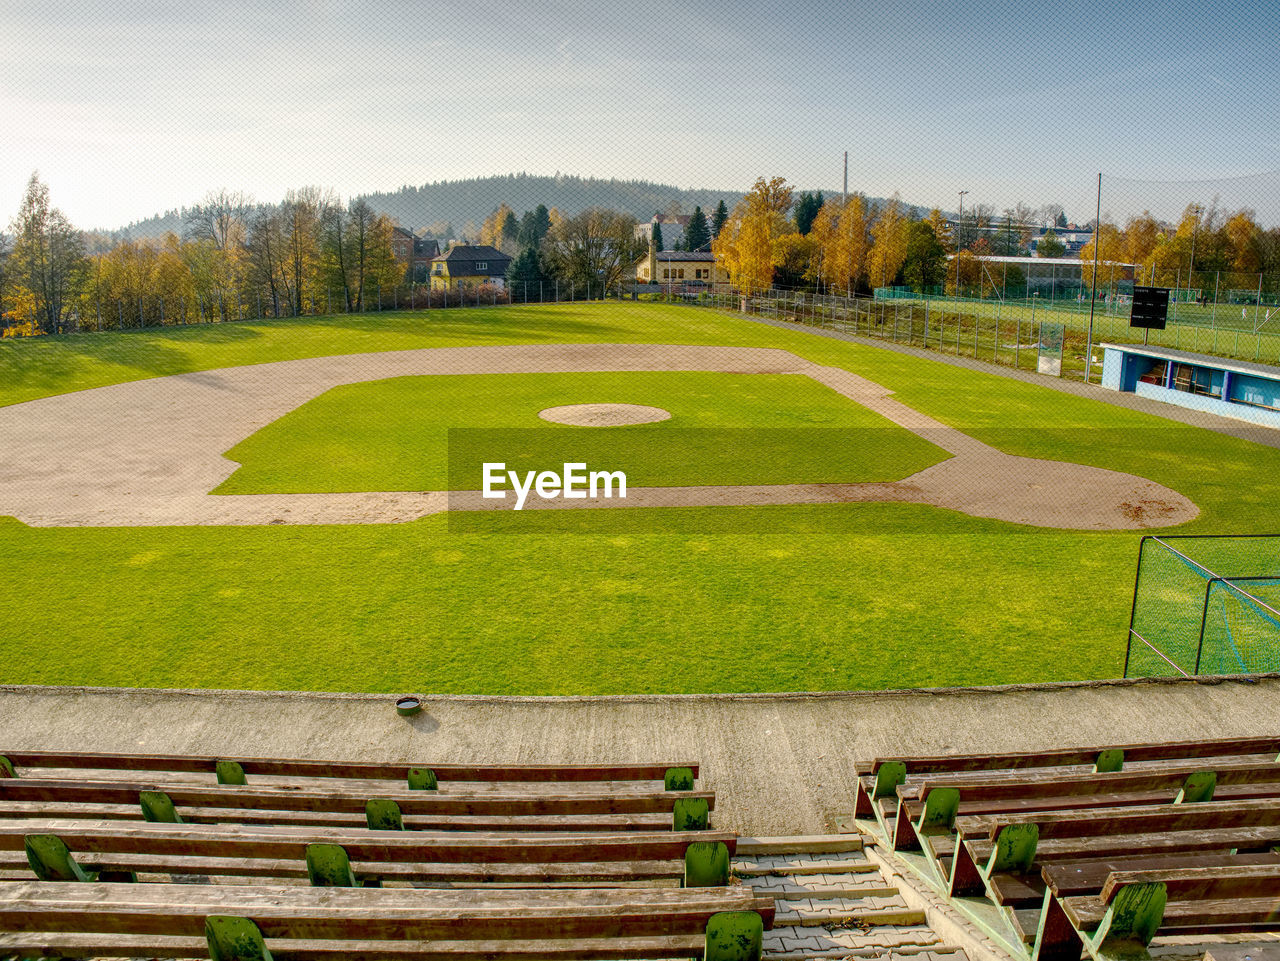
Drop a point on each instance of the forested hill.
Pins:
(462, 202)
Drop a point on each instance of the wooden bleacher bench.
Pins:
(881, 777)
(215, 849)
(988, 831)
(298, 768)
(1074, 792)
(292, 923)
(26, 797)
(548, 854)
(311, 793)
(1120, 919)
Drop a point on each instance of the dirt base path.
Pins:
(148, 452)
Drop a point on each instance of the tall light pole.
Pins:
(1195, 229)
(959, 220)
(1093, 286)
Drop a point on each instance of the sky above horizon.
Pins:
(134, 107)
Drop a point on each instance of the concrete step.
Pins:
(880, 954)
(795, 942)
(802, 865)
(820, 886)
(799, 844)
(845, 913)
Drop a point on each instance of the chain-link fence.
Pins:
(1004, 332)
(1205, 604)
(149, 310)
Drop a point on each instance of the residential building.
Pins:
(680, 267)
(673, 229)
(414, 253)
(469, 265)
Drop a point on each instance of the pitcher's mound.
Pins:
(604, 415)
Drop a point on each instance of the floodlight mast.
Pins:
(959, 219)
(1195, 229)
(1093, 291)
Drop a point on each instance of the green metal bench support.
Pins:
(678, 779)
(383, 814)
(690, 814)
(51, 859)
(734, 936)
(1109, 761)
(329, 867)
(1014, 852)
(229, 772)
(939, 815)
(234, 939)
(888, 776)
(422, 779)
(158, 808)
(1198, 787)
(1015, 849)
(1133, 917)
(706, 864)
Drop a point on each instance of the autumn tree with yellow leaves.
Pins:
(842, 244)
(746, 248)
(888, 244)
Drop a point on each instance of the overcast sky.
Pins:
(131, 107)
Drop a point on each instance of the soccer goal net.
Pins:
(1205, 604)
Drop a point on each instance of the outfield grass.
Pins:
(805, 598)
(690, 600)
(394, 435)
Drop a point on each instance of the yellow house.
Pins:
(467, 265)
(680, 267)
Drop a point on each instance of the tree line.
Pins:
(312, 254)
(235, 258)
(775, 238)
(307, 254)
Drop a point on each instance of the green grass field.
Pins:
(393, 435)
(682, 600)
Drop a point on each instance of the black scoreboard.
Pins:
(1150, 307)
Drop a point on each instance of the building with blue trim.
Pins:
(1229, 388)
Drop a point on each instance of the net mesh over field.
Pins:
(1205, 605)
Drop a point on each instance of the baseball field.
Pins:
(265, 505)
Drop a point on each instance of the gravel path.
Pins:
(148, 452)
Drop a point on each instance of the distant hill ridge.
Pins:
(463, 202)
(460, 202)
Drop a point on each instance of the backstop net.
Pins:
(1205, 604)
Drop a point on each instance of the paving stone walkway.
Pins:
(834, 902)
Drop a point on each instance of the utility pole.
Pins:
(1195, 229)
(845, 196)
(1093, 293)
